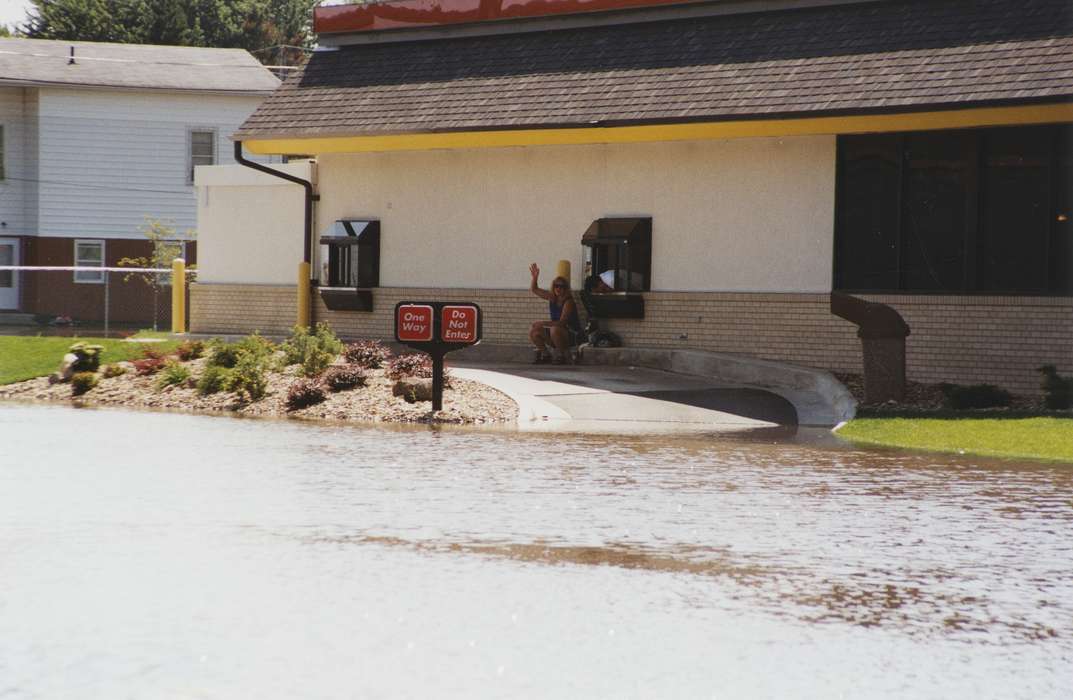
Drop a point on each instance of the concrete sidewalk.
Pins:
(602, 398)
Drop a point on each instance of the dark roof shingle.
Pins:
(871, 57)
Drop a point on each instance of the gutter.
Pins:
(310, 197)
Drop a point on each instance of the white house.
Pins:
(95, 138)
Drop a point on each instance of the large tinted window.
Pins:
(870, 172)
(985, 210)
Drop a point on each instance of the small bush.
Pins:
(113, 371)
(314, 351)
(975, 396)
(172, 374)
(305, 392)
(410, 365)
(81, 382)
(341, 378)
(257, 345)
(249, 375)
(190, 350)
(149, 366)
(1057, 390)
(213, 380)
(89, 357)
(223, 355)
(151, 353)
(370, 354)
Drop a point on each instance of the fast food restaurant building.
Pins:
(915, 153)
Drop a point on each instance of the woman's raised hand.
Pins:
(534, 271)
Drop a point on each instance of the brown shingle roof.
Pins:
(138, 66)
(872, 57)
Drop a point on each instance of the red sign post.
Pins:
(437, 328)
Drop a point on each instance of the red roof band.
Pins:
(339, 19)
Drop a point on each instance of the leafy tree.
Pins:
(166, 247)
(259, 26)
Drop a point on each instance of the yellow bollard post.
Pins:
(563, 270)
(303, 294)
(178, 296)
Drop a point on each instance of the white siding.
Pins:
(110, 159)
(18, 190)
(250, 225)
(753, 214)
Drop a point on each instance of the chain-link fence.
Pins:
(107, 301)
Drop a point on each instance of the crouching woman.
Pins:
(563, 328)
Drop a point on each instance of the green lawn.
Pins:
(1035, 438)
(24, 357)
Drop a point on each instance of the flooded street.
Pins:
(173, 556)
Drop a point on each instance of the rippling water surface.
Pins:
(172, 556)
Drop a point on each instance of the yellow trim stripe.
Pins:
(951, 119)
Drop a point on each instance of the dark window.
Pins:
(870, 167)
(350, 254)
(983, 210)
(620, 250)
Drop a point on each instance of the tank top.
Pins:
(556, 310)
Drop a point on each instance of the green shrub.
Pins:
(81, 382)
(314, 351)
(250, 375)
(341, 378)
(89, 357)
(975, 396)
(214, 379)
(1057, 390)
(114, 370)
(172, 374)
(223, 354)
(370, 354)
(190, 350)
(257, 345)
(305, 392)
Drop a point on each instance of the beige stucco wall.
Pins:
(737, 215)
(250, 224)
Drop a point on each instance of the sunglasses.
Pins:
(558, 286)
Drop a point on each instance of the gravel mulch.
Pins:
(465, 402)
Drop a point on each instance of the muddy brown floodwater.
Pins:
(172, 556)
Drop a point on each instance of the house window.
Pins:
(202, 150)
(89, 254)
(972, 211)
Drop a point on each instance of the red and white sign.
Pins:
(414, 323)
(458, 324)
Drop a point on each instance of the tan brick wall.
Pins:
(968, 339)
(233, 308)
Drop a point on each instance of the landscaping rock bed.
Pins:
(465, 402)
(929, 398)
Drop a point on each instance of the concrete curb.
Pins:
(818, 398)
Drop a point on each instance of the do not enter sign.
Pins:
(458, 324)
(413, 323)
